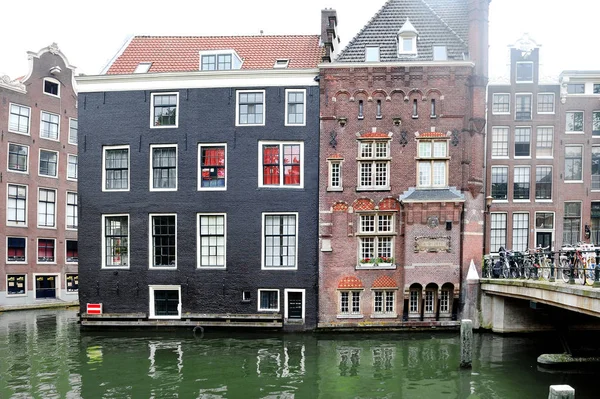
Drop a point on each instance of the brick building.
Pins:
(38, 190)
(402, 157)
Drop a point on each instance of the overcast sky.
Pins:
(90, 33)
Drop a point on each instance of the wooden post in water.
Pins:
(466, 343)
(561, 392)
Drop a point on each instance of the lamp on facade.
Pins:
(342, 121)
(488, 203)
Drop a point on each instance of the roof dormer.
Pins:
(407, 39)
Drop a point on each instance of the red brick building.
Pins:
(38, 190)
(402, 165)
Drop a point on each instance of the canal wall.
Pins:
(40, 305)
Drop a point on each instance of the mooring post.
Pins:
(466, 343)
(561, 392)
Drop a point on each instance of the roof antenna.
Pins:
(261, 32)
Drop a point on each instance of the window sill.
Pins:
(19, 172)
(115, 267)
(499, 201)
(522, 200)
(162, 267)
(415, 116)
(500, 113)
(338, 189)
(376, 266)
(549, 200)
(573, 181)
(16, 295)
(211, 268)
(350, 316)
(164, 127)
(575, 132)
(501, 157)
(21, 133)
(373, 188)
(269, 310)
(384, 316)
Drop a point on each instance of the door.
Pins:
(45, 287)
(294, 305)
(544, 239)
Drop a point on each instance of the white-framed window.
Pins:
(281, 63)
(432, 163)
(72, 167)
(72, 205)
(520, 233)
(47, 208)
(16, 249)
(71, 251)
(384, 303)
(212, 240)
(268, 300)
(19, 119)
(497, 231)
(574, 122)
(250, 108)
(48, 163)
(163, 241)
(440, 53)
(544, 229)
(349, 303)
(430, 301)
(374, 165)
(595, 123)
(595, 168)
(576, 88)
(372, 54)
(18, 158)
(49, 126)
(544, 143)
(163, 164)
(545, 103)
(72, 283)
(573, 163)
(16, 285)
(501, 103)
(164, 111)
(295, 107)
(51, 87)
(281, 164)
(572, 223)
(414, 299)
(115, 168)
(115, 241)
(521, 183)
(46, 250)
(543, 182)
(73, 124)
(142, 67)
(500, 142)
(524, 72)
(376, 236)
(280, 241)
(522, 141)
(523, 107)
(16, 206)
(219, 60)
(407, 43)
(334, 176)
(212, 166)
(445, 295)
(165, 302)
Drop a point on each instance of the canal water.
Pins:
(43, 354)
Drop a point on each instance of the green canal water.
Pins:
(43, 354)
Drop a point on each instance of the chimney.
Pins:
(478, 35)
(329, 36)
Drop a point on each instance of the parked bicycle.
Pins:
(536, 263)
(508, 264)
(577, 261)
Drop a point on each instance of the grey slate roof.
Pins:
(450, 194)
(439, 23)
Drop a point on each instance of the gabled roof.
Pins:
(182, 53)
(438, 23)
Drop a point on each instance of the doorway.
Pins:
(45, 287)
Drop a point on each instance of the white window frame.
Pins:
(67, 211)
(432, 159)
(553, 103)
(67, 292)
(285, 302)
(54, 226)
(373, 159)
(514, 181)
(42, 123)
(440, 53)
(350, 314)
(504, 167)
(28, 119)
(151, 243)
(200, 147)
(37, 251)
(26, 172)
(116, 147)
(236, 60)
(537, 130)
(237, 107)
(385, 292)
(492, 249)
(544, 230)
(70, 139)
(413, 39)
(103, 241)
(26, 223)
(526, 230)
(52, 80)
(535, 183)
(445, 306)
(430, 309)
(515, 142)
(493, 102)
(287, 122)
(377, 235)
(582, 124)
(66, 257)
(57, 284)
(24, 285)
(582, 164)
(152, 311)
(76, 167)
(419, 294)
(142, 67)
(517, 76)
(260, 290)
(151, 177)
(263, 243)
(177, 110)
(496, 129)
(372, 54)
(530, 95)
(40, 160)
(330, 186)
(199, 242)
(281, 165)
(16, 262)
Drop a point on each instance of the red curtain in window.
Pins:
(291, 163)
(271, 164)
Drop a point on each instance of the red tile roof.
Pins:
(337, 155)
(378, 135)
(385, 282)
(432, 134)
(181, 53)
(350, 282)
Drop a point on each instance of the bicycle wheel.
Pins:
(527, 268)
(487, 269)
(579, 272)
(565, 270)
(546, 269)
(589, 273)
(505, 269)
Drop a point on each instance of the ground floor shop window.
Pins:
(165, 302)
(45, 287)
(15, 284)
(72, 282)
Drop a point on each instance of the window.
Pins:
(116, 169)
(72, 167)
(524, 72)
(596, 168)
(433, 115)
(281, 157)
(51, 86)
(164, 168)
(543, 182)
(46, 208)
(115, 241)
(384, 303)
(544, 220)
(211, 240)
(212, 166)
(371, 54)
(46, 250)
(500, 182)
(142, 67)
(522, 142)
(439, 53)
(48, 163)
(165, 301)
(499, 142)
(73, 131)
(544, 142)
(430, 299)
(596, 88)
(18, 120)
(596, 123)
(497, 231)
(432, 163)
(246, 296)
(374, 165)
(521, 183)
(72, 282)
(595, 216)
(378, 114)
(279, 241)
(501, 103)
(163, 241)
(72, 220)
(281, 63)
(268, 300)
(18, 158)
(576, 88)
(350, 303)
(574, 123)
(16, 249)
(361, 109)
(15, 284)
(376, 240)
(250, 108)
(545, 103)
(573, 163)
(445, 300)
(415, 113)
(17, 205)
(414, 300)
(49, 126)
(212, 62)
(295, 107)
(72, 251)
(523, 107)
(335, 175)
(164, 110)
(520, 235)
(572, 223)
